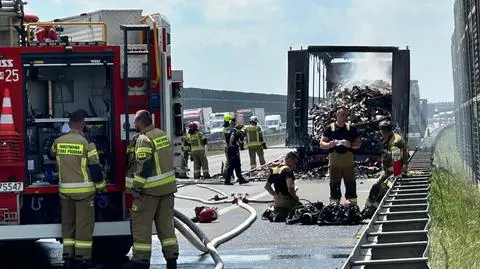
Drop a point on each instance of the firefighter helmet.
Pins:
(254, 119)
(193, 126)
(228, 117)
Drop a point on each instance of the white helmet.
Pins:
(254, 119)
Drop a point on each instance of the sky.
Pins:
(242, 45)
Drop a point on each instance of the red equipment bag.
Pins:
(206, 214)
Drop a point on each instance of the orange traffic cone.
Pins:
(6, 117)
(10, 140)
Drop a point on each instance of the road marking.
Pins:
(232, 207)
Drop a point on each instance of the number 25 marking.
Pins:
(11, 75)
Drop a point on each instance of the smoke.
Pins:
(372, 67)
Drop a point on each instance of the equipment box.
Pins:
(112, 18)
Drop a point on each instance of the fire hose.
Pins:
(211, 245)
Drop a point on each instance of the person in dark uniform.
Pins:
(234, 138)
(340, 138)
(283, 180)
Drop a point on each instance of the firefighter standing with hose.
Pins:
(80, 176)
(340, 138)
(197, 143)
(255, 142)
(153, 187)
(391, 142)
(283, 180)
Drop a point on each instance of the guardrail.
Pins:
(270, 139)
(397, 235)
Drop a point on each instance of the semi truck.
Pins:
(331, 73)
(110, 63)
(242, 116)
(200, 115)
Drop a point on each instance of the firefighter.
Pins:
(391, 142)
(80, 176)
(197, 143)
(235, 143)
(283, 180)
(226, 135)
(340, 138)
(255, 142)
(153, 187)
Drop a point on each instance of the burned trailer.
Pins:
(380, 74)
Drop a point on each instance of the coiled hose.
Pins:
(210, 246)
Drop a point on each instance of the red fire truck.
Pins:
(110, 63)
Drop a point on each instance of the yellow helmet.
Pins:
(228, 117)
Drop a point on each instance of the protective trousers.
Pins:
(78, 221)
(283, 204)
(234, 164)
(159, 209)
(200, 163)
(253, 151)
(341, 165)
(225, 167)
(378, 190)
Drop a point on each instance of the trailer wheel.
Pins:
(111, 248)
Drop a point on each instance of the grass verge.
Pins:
(454, 209)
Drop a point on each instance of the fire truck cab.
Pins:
(110, 63)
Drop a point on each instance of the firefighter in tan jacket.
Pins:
(197, 143)
(255, 142)
(153, 187)
(80, 176)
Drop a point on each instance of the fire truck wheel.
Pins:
(111, 248)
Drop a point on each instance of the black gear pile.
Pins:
(334, 214)
(305, 214)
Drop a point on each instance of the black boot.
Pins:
(172, 264)
(206, 176)
(243, 181)
(228, 183)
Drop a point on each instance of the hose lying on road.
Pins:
(213, 189)
(210, 248)
(191, 238)
(195, 199)
(239, 229)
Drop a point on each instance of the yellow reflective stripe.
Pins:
(85, 190)
(70, 149)
(68, 242)
(142, 247)
(158, 168)
(101, 185)
(144, 149)
(59, 169)
(160, 182)
(83, 244)
(131, 149)
(128, 182)
(161, 142)
(140, 179)
(168, 242)
(92, 153)
(83, 167)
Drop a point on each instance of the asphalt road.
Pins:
(264, 244)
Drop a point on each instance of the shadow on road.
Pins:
(24, 255)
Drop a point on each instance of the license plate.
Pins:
(11, 186)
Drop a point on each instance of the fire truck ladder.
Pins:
(397, 235)
(136, 66)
